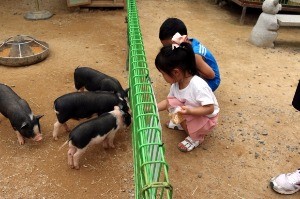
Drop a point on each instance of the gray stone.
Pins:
(264, 32)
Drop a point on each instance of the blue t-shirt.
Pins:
(210, 60)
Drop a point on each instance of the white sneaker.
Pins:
(288, 183)
(171, 125)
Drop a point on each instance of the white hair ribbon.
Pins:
(177, 39)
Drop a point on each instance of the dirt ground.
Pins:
(258, 132)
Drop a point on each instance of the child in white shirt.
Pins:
(198, 105)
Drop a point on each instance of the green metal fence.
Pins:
(150, 168)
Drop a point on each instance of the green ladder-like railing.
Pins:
(150, 168)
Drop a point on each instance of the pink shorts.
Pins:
(198, 126)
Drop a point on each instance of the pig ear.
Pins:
(120, 96)
(39, 116)
(126, 91)
(24, 124)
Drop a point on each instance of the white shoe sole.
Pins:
(171, 125)
(279, 189)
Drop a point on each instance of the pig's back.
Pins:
(82, 134)
(84, 104)
(7, 94)
(11, 105)
(85, 74)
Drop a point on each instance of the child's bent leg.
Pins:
(199, 135)
(195, 138)
(201, 127)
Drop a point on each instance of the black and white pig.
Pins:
(17, 110)
(101, 129)
(93, 80)
(79, 105)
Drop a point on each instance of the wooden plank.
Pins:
(78, 2)
(255, 4)
(106, 3)
(288, 20)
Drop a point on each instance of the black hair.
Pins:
(170, 27)
(182, 57)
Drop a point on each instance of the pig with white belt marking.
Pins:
(79, 105)
(101, 129)
(93, 80)
(17, 110)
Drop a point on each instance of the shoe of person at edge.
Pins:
(288, 183)
(171, 125)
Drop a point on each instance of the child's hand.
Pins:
(175, 115)
(184, 110)
(199, 111)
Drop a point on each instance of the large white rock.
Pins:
(264, 32)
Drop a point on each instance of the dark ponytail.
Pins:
(182, 57)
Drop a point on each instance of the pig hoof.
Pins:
(20, 138)
(77, 167)
(55, 138)
(21, 141)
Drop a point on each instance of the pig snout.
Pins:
(38, 137)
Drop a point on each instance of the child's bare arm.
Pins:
(200, 111)
(204, 69)
(163, 105)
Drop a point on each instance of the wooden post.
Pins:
(242, 19)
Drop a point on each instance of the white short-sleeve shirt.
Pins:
(196, 94)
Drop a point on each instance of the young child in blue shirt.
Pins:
(206, 63)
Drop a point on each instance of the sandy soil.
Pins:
(258, 132)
